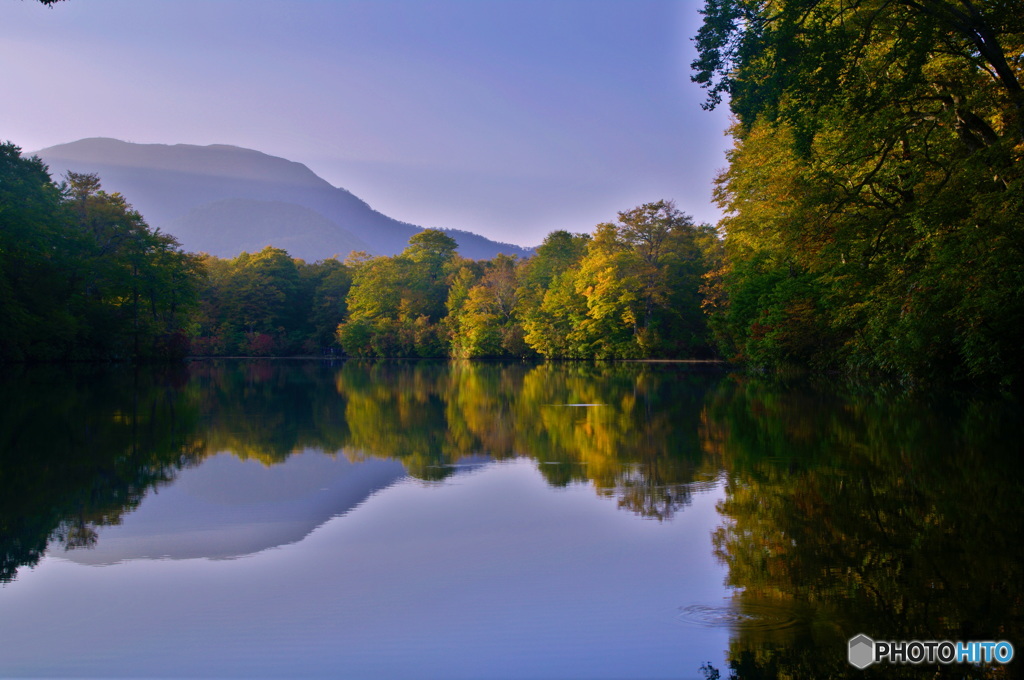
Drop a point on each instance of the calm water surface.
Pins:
(402, 519)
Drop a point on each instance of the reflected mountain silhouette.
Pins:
(844, 510)
(229, 507)
(225, 458)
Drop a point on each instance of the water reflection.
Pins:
(897, 517)
(845, 512)
(79, 449)
(228, 507)
(82, 447)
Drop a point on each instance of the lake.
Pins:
(473, 520)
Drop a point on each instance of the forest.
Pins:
(872, 201)
(82, 276)
(873, 196)
(631, 291)
(85, 278)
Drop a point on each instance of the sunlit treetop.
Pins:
(787, 59)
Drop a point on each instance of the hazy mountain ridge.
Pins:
(264, 220)
(223, 199)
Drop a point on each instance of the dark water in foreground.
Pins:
(398, 519)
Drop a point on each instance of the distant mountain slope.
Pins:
(224, 199)
(297, 229)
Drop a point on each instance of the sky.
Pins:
(508, 118)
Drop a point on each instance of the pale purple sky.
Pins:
(507, 118)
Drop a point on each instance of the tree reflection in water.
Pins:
(896, 517)
(81, 447)
(845, 512)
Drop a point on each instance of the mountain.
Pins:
(225, 199)
(293, 227)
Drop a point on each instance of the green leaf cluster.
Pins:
(873, 196)
(396, 304)
(632, 291)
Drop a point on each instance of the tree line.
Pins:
(630, 291)
(872, 225)
(84, 277)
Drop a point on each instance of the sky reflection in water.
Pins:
(404, 519)
(491, 573)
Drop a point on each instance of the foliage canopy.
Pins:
(873, 195)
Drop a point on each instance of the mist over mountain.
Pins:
(224, 199)
(294, 227)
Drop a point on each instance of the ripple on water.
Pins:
(752, 616)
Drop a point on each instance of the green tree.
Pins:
(549, 306)
(877, 165)
(641, 278)
(483, 317)
(268, 303)
(35, 243)
(554, 329)
(374, 306)
(134, 286)
(263, 299)
(396, 304)
(428, 262)
(329, 281)
(559, 251)
(82, 276)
